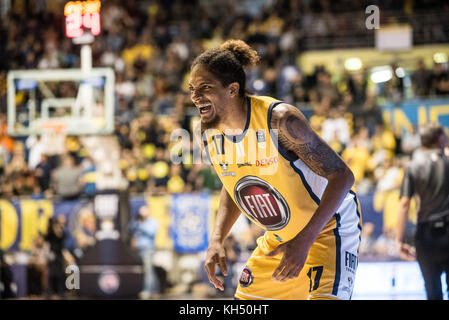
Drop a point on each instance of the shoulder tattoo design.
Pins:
(295, 135)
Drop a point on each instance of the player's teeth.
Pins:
(204, 109)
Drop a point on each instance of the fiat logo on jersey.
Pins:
(260, 201)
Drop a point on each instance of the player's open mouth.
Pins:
(205, 109)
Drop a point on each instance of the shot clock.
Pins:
(81, 16)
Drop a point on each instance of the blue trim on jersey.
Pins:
(280, 150)
(238, 138)
(289, 159)
(356, 208)
(337, 255)
(204, 138)
(306, 184)
(359, 215)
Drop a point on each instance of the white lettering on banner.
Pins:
(106, 206)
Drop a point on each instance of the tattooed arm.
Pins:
(299, 140)
(297, 137)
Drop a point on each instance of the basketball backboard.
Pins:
(78, 101)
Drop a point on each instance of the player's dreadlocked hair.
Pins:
(227, 62)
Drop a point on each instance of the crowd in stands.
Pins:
(150, 45)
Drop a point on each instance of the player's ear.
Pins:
(234, 89)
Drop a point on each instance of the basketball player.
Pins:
(300, 194)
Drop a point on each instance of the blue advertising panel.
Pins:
(417, 112)
(21, 220)
(184, 223)
(190, 226)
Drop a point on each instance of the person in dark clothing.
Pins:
(421, 79)
(42, 173)
(427, 177)
(439, 80)
(58, 254)
(37, 268)
(6, 279)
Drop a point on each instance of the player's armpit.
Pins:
(296, 136)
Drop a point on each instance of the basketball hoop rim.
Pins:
(53, 126)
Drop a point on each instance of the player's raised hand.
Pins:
(215, 255)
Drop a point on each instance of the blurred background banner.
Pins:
(22, 220)
(185, 220)
(190, 226)
(416, 112)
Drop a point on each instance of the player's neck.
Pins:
(235, 117)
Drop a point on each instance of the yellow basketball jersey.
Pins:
(276, 192)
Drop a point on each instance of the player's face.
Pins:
(208, 95)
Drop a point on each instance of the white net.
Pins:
(53, 136)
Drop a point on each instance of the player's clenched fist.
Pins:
(215, 255)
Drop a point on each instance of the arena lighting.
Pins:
(353, 64)
(82, 14)
(290, 73)
(400, 72)
(258, 84)
(440, 57)
(381, 74)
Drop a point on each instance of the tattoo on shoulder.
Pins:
(296, 136)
